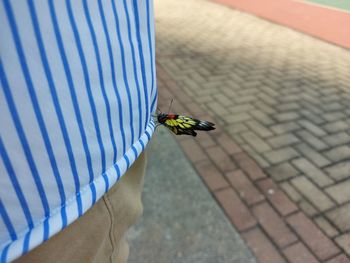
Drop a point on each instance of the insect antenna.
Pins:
(171, 103)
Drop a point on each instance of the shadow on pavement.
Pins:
(181, 221)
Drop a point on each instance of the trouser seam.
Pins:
(111, 229)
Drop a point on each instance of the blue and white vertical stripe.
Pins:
(78, 90)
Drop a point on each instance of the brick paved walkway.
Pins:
(280, 98)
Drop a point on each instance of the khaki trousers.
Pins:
(98, 236)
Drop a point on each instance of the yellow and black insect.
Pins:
(179, 124)
(183, 125)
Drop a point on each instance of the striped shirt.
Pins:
(78, 90)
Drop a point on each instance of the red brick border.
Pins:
(322, 22)
(272, 225)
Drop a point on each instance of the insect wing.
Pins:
(181, 125)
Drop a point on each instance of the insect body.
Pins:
(183, 125)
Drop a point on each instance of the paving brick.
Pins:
(327, 228)
(221, 159)
(339, 171)
(195, 109)
(260, 160)
(228, 144)
(286, 116)
(334, 116)
(203, 99)
(314, 119)
(277, 197)
(241, 108)
(243, 99)
(314, 238)
(244, 187)
(262, 248)
(288, 106)
(332, 106)
(282, 140)
(282, 171)
(263, 105)
(193, 150)
(204, 139)
(223, 100)
(340, 192)
(339, 153)
(236, 128)
(211, 176)
(284, 127)
(312, 155)
(312, 140)
(307, 208)
(218, 108)
(249, 166)
(259, 129)
(337, 139)
(274, 225)
(311, 171)
(281, 155)
(336, 126)
(255, 142)
(344, 242)
(314, 129)
(238, 138)
(236, 118)
(339, 259)
(267, 99)
(236, 211)
(290, 191)
(298, 253)
(312, 193)
(262, 117)
(340, 217)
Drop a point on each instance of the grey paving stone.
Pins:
(237, 118)
(340, 217)
(259, 129)
(344, 242)
(255, 142)
(324, 224)
(339, 171)
(284, 127)
(312, 140)
(314, 129)
(290, 190)
(340, 192)
(334, 116)
(280, 155)
(312, 118)
(236, 128)
(311, 171)
(283, 140)
(309, 209)
(286, 116)
(337, 139)
(312, 193)
(241, 108)
(336, 126)
(339, 153)
(282, 171)
(262, 117)
(312, 155)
